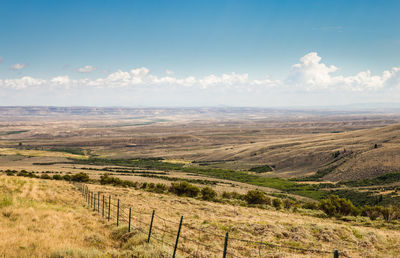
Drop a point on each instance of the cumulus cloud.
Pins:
(86, 69)
(18, 66)
(309, 74)
(312, 74)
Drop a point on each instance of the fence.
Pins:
(171, 232)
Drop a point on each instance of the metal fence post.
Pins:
(118, 213)
(336, 254)
(177, 237)
(226, 244)
(109, 206)
(102, 213)
(129, 226)
(98, 202)
(151, 225)
(94, 202)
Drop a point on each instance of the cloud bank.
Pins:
(309, 75)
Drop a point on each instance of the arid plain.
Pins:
(302, 155)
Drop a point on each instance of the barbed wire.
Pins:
(122, 208)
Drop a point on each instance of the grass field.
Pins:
(48, 218)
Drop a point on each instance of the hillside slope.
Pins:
(48, 218)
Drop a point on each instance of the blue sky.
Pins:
(82, 42)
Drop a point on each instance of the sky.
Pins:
(199, 53)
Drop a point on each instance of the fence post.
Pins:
(102, 214)
(118, 213)
(226, 244)
(336, 254)
(177, 237)
(91, 200)
(94, 201)
(109, 206)
(129, 226)
(98, 202)
(151, 225)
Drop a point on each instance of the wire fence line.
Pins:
(110, 208)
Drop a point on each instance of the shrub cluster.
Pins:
(208, 194)
(80, 177)
(336, 206)
(184, 189)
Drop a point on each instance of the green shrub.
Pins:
(310, 206)
(80, 177)
(232, 195)
(57, 177)
(277, 203)
(27, 174)
(207, 193)
(160, 188)
(255, 197)
(184, 189)
(390, 213)
(106, 179)
(373, 212)
(45, 176)
(287, 203)
(335, 206)
(67, 177)
(10, 172)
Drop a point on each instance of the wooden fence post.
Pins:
(94, 201)
(177, 237)
(98, 202)
(151, 225)
(226, 244)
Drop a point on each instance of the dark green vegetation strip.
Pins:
(14, 132)
(261, 169)
(76, 151)
(310, 191)
(380, 180)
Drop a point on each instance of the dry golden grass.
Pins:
(296, 230)
(39, 153)
(46, 218)
(40, 218)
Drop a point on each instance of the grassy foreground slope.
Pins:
(40, 218)
(44, 218)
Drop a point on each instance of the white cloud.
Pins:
(24, 82)
(86, 69)
(18, 66)
(309, 75)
